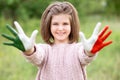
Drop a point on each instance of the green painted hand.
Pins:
(20, 41)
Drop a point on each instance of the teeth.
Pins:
(60, 33)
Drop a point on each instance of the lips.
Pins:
(60, 33)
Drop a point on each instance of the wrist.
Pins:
(88, 53)
(30, 51)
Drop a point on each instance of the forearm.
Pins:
(84, 56)
(35, 56)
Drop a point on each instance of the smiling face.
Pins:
(60, 28)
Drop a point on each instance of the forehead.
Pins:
(61, 17)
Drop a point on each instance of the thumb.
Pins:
(19, 28)
(82, 37)
(96, 29)
(33, 36)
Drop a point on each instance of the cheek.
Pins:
(69, 29)
(52, 30)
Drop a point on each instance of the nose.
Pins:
(60, 27)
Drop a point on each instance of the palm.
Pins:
(96, 41)
(21, 41)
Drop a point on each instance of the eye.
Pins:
(65, 23)
(54, 23)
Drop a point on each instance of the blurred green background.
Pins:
(13, 66)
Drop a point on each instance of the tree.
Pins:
(113, 7)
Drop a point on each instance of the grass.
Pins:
(13, 66)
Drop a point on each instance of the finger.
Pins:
(8, 37)
(15, 45)
(12, 30)
(96, 30)
(33, 36)
(19, 46)
(19, 28)
(83, 39)
(103, 31)
(9, 44)
(106, 36)
(106, 43)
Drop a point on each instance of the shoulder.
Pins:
(44, 46)
(78, 44)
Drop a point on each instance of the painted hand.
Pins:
(96, 41)
(21, 41)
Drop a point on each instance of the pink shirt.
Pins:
(60, 62)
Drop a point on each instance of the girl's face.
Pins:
(60, 28)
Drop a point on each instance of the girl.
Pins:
(62, 57)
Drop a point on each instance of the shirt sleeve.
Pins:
(38, 56)
(84, 58)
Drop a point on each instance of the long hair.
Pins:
(55, 9)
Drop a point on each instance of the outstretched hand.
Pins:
(21, 41)
(96, 42)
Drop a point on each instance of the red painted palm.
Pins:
(97, 41)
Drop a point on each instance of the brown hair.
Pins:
(58, 8)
